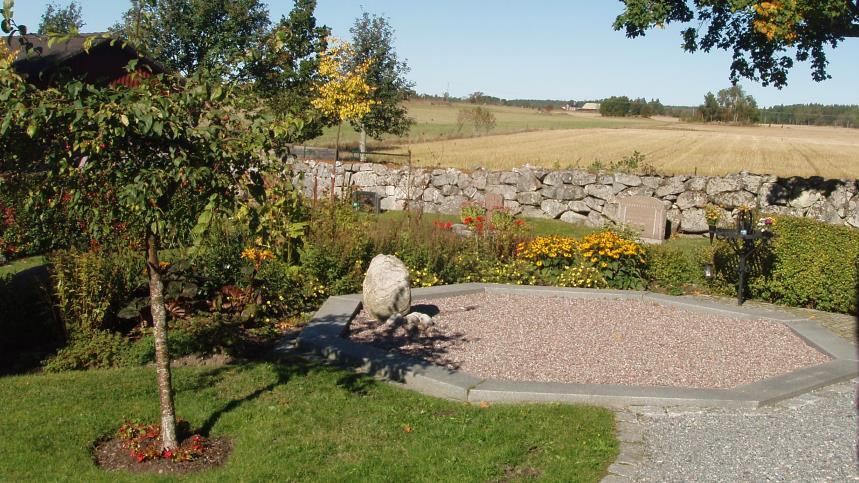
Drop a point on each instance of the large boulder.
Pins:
(387, 288)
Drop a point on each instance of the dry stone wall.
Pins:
(578, 196)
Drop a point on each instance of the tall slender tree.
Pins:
(373, 43)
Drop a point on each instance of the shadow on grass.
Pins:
(286, 367)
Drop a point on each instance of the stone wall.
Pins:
(578, 196)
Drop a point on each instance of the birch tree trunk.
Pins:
(363, 143)
(162, 353)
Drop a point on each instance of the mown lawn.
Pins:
(298, 421)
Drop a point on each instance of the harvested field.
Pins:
(678, 148)
(596, 341)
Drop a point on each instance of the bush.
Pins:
(673, 269)
(618, 258)
(287, 290)
(808, 264)
(218, 260)
(90, 288)
(95, 349)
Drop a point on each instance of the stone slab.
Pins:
(775, 389)
(737, 311)
(824, 340)
(497, 391)
(562, 291)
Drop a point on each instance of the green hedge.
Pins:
(808, 264)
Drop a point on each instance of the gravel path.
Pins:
(599, 341)
(808, 438)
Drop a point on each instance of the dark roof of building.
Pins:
(101, 58)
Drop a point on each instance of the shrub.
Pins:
(674, 269)
(90, 350)
(218, 260)
(89, 288)
(807, 264)
(619, 259)
(288, 291)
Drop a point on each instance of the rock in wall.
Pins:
(579, 196)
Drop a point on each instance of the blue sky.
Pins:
(539, 49)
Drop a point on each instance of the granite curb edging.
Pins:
(323, 337)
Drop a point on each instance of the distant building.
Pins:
(590, 107)
(103, 62)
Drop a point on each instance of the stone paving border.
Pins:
(323, 336)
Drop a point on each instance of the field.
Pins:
(577, 140)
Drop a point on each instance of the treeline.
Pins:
(483, 99)
(812, 114)
(622, 106)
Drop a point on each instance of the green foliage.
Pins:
(673, 269)
(217, 261)
(196, 36)
(337, 249)
(90, 288)
(808, 264)
(812, 114)
(764, 37)
(61, 20)
(373, 39)
(481, 120)
(96, 349)
(736, 106)
(288, 291)
(710, 110)
(279, 222)
(34, 219)
(285, 68)
(634, 163)
(615, 106)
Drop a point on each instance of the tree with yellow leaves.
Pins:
(344, 94)
(761, 34)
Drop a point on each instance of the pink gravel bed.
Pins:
(595, 341)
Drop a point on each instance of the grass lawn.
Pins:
(299, 421)
(21, 264)
(437, 121)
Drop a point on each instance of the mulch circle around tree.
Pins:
(113, 455)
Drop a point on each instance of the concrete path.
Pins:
(808, 438)
(812, 437)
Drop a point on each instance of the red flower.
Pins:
(519, 222)
(468, 220)
(480, 219)
(167, 454)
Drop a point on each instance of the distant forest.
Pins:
(803, 114)
(812, 115)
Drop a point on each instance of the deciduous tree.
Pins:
(286, 69)
(344, 94)
(189, 36)
(61, 20)
(765, 37)
(121, 157)
(373, 43)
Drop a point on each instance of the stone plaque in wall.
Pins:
(644, 214)
(493, 201)
(366, 201)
